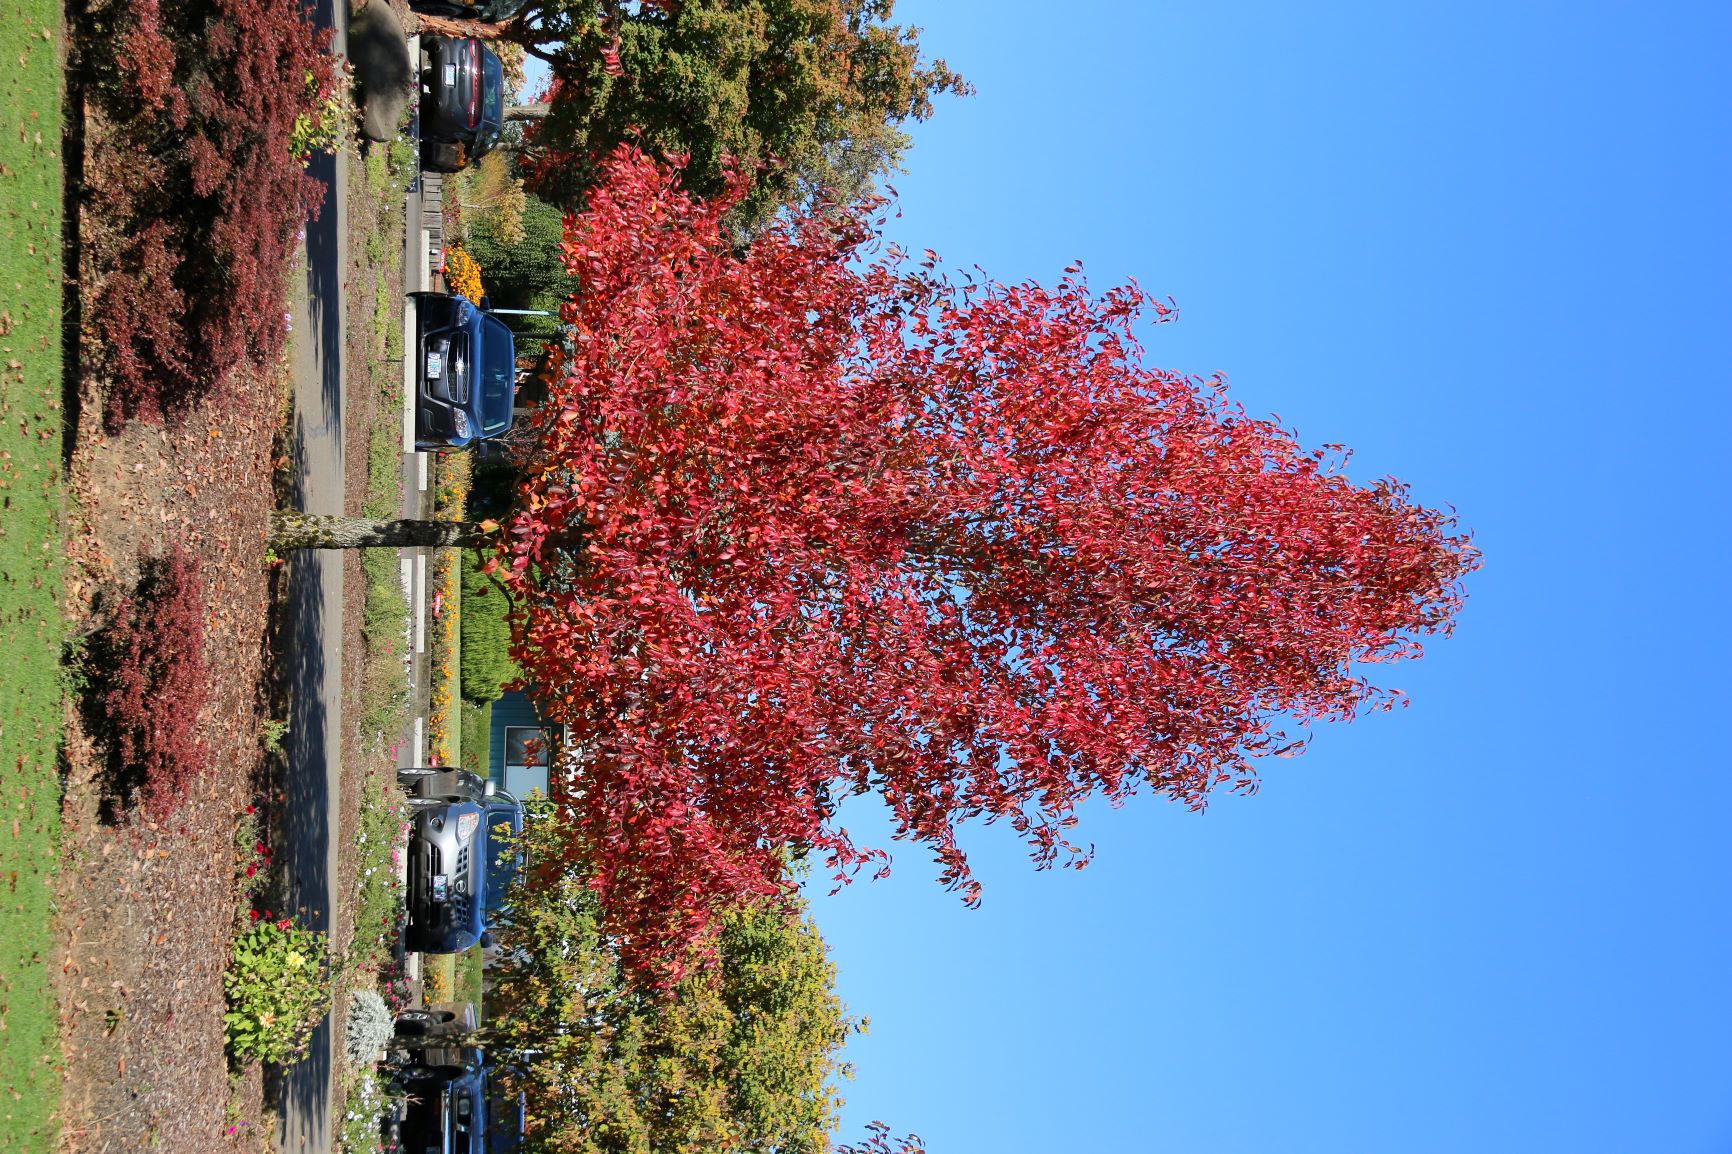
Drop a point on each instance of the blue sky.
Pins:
(1486, 245)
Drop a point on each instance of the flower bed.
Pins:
(278, 989)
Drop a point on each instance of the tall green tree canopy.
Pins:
(740, 1057)
(810, 93)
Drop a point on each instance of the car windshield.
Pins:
(506, 1116)
(503, 859)
(498, 376)
(492, 104)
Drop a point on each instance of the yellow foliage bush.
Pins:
(463, 274)
(447, 634)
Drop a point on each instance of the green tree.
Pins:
(811, 93)
(741, 1057)
(524, 272)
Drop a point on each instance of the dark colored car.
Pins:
(461, 865)
(466, 372)
(445, 1111)
(454, 1104)
(462, 102)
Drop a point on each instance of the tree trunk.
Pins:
(527, 111)
(292, 530)
(461, 29)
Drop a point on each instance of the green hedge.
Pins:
(486, 663)
(476, 727)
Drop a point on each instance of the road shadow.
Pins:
(325, 290)
(304, 1088)
(312, 618)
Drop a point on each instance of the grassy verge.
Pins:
(378, 896)
(376, 220)
(31, 631)
(384, 692)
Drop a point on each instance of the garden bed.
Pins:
(147, 906)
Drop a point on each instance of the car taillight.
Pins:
(475, 88)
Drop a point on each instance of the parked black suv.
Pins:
(455, 1102)
(462, 102)
(465, 375)
(446, 1107)
(461, 865)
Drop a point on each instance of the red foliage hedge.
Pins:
(198, 197)
(152, 686)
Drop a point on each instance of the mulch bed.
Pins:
(147, 908)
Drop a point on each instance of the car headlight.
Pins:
(460, 422)
(466, 827)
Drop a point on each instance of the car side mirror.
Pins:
(487, 941)
(489, 790)
(486, 303)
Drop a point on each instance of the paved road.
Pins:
(314, 641)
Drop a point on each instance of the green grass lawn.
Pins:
(30, 565)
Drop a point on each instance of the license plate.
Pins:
(435, 366)
(451, 76)
(441, 885)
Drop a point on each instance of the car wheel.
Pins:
(414, 1023)
(410, 774)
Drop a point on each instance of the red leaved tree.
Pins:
(816, 521)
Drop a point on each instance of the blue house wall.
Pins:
(514, 708)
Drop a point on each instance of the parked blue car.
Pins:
(462, 861)
(445, 1109)
(465, 373)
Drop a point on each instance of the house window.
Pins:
(526, 757)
